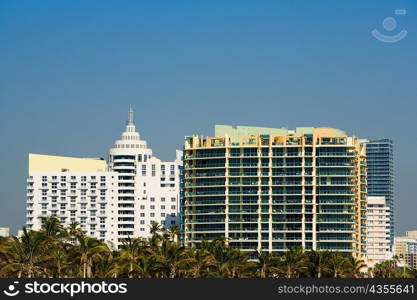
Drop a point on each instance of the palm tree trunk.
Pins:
(89, 268)
(130, 270)
(85, 269)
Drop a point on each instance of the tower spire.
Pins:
(130, 116)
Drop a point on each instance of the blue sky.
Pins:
(70, 69)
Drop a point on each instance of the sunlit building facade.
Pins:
(271, 189)
(378, 230)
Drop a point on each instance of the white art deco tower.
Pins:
(148, 189)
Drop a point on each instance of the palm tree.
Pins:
(52, 227)
(386, 269)
(155, 228)
(56, 262)
(130, 251)
(25, 253)
(317, 262)
(173, 232)
(292, 262)
(266, 263)
(146, 266)
(357, 266)
(220, 252)
(338, 265)
(172, 259)
(87, 250)
(105, 266)
(237, 264)
(203, 263)
(74, 231)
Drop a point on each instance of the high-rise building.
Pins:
(405, 248)
(380, 159)
(111, 201)
(271, 189)
(72, 190)
(378, 231)
(148, 188)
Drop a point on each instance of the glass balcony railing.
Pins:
(204, 211)
(204, 175)
(207, 220)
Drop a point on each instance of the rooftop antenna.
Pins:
(130, 116)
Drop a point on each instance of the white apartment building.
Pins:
(4, 231)
(405, 248)
(378, 230)
(111, 201)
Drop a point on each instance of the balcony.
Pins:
(208, 220)
(208, 211)
(208, 155)
(336, 154)
(335, 220)
(199, 175)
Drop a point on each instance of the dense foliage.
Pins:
(55, 251)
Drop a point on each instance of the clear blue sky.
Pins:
(70, 69)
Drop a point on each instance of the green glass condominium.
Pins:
(271, 189)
